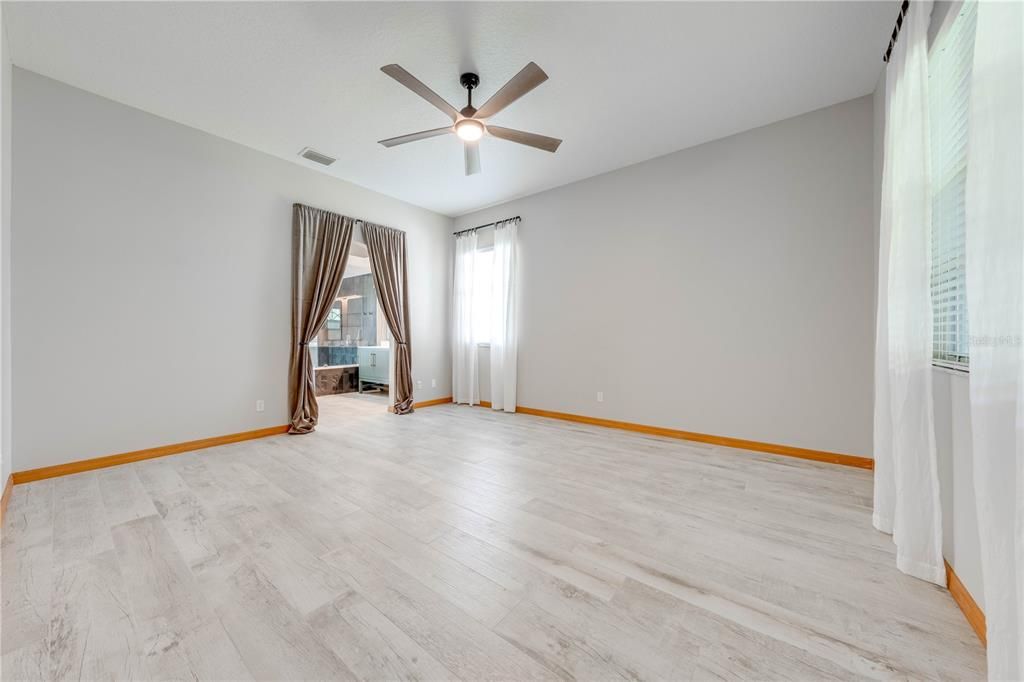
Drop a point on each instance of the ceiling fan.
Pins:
(470, 124)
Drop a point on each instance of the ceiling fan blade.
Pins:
(530, 77)
(548, 144)
(410, 81)
(412, 137)
(472, 158)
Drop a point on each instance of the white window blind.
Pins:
(949, 68)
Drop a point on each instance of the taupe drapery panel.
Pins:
(386, 248)
(320, 244)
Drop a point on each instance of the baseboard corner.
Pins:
(972, 612)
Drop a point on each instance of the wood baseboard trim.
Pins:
(972, 612)
(6, 497)
(164, 450)
(428, 403)
(482, 403)
(771, 448)
(139, 455)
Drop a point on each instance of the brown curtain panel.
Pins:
(386, 248)
(320, 244)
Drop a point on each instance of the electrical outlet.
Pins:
(419, 384)
(433, 383)
(259, 405)
(600, 396)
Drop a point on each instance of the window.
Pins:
(483, 273)
(333, 324)
(949, 76)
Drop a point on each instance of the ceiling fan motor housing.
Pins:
(469, 81)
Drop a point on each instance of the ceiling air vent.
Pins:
(316, 157)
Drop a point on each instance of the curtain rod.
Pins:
(480, 227)
(354, 220)
(896, 30)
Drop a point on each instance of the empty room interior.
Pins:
(512, 340)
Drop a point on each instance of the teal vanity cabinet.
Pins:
(373, 365)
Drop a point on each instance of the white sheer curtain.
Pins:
(465, 366)
(906, 476)
(995, 309)
(504, 328)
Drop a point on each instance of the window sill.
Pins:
(955, 370)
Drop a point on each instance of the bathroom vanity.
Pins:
(332, 379)
(373, 366)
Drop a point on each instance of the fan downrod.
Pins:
(469, 81)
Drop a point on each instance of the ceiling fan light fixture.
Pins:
(468, 124)
(469, 130)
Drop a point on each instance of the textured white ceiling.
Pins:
(628, 81)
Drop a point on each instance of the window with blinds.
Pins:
(949, 67)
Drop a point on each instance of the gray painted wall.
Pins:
(725, 289)
(151, 280)
(5, 256)
(961, 543)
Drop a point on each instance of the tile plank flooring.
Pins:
(463, 543)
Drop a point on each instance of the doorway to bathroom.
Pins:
(352, 352)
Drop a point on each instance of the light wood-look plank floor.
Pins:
(462, 543)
